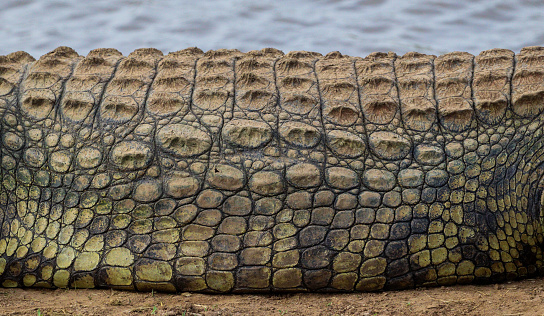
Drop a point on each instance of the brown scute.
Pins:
(338, 89)
(532, 61)
(532, 56)
(416, 92)
(380, 55)
(105, 53)
(529, 104)
(38, 103)
(527, 77)
(380, 109)
(222, 53)
(373, 68)
(6, 71)
(41, 80)
(298, 103)
(491, 84)
(58, 61)
(117, 108)
(528, 83)
(378, 87)
(213, 66)
(376, 63)
(334, 55)
(339, 94)
(146, 53)
(290, 64)
(161, 103)
(456, 113)
(255, 88)
(491, 105)
(52, 65)
(191, 51)
(452, 85)
(302, 54)
(453, 91)
(256, 96)
(18, 57)
(93, 65)
(171, 84)
(131, 66)
(121, 84)
(61, 52)
(295, 83)
(265, 52)
(253, 80)
(414, 86)
(5, 86)
(415, 55)
(341, 114)
(379, 84)
(211, 98)
(414, 63)
(77, 105)
(256, 100)
(496, 52)
(251, 64)
(452, 61)
(418, 113)
(169, 63)
(490, 80)
(82, 82)
(213, 81)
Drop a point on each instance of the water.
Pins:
(354, 27)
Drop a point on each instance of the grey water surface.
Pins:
(354, 27)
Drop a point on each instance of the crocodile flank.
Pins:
(265, 172)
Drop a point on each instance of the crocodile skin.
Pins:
(262, 171)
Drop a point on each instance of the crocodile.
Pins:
(262, 171)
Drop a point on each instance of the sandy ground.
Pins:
(515, 298)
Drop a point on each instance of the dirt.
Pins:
(514, 298)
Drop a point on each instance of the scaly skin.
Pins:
(230, 172)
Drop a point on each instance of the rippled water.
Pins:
(354, 27)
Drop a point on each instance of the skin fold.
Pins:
(265, 172)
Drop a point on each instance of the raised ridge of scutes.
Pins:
(528, 82)
(255, 88)
(491, 84)
(453, 73)
(85, 87)
(44, 82)
(338, 87)
(378, 87)
(416, 92)
(126, 92)
(214, 85)
(296, 83)
(174, 83)
(11, 70)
